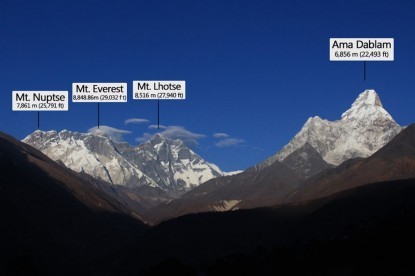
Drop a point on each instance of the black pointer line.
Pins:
(158, 114)
(98, 115)
(38, 120)
(364, 70)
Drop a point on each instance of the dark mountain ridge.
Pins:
(396, 160)
(364, 230)
(59, 223)
(248, 189)
(54, 222)
(289, 181)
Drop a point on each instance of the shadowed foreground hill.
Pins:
(396, 160)
(367, 230)
(55, 223)
(52, 221)
(278, 183)
(249, 189)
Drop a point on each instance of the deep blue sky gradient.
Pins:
(255, 70)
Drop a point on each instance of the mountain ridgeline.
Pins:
(316, 150)
(168, 167)
(362, 130)
(74, 204)
(160, 163)
(53, 221)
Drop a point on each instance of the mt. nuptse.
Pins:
(160, 162)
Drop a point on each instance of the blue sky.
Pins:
(254, 70)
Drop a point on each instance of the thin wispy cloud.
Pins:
(176, 132)
(229, 142)
(113, 133)
(179, 132)
(220, 135)
(225, 140)
(157, 127)
(145, 137)
(136, 121)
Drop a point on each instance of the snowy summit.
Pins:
(160, 162)
(367, 107)
(362, 130)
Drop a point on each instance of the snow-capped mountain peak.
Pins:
(157, 139)
(368, 97)
(366, 107)
(98, 132)
(159, 162)
(180, 166)
(361, 131)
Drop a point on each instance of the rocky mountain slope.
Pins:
(363, 231)
(245, 190)
(396, 160)
(56, 223)
(316, 149)
(361, 131)
(159, 163)
(53, 221)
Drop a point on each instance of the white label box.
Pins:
(99, 92)
(159, 90)
(40, 101)
(361, 49)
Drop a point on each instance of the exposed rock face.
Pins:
(160, 162)
(363, 129)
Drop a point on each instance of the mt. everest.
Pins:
(160, 162)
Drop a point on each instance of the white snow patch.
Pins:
(232, 173)
(224, 205)
(363, 129)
